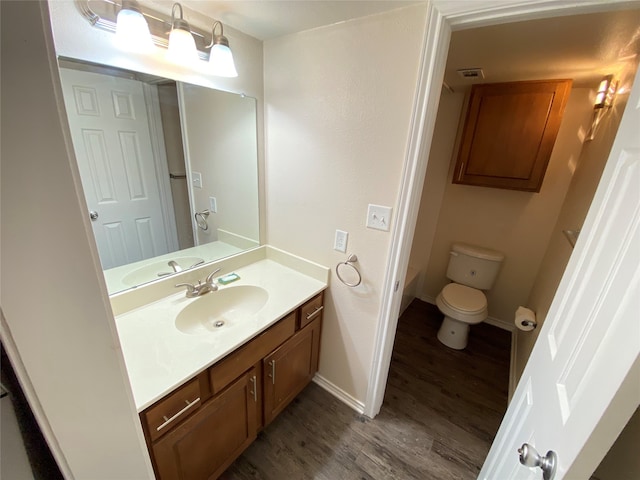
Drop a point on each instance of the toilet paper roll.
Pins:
(525, 319)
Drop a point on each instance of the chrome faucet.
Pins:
(201, 288)
(177, 268)
(173, 264)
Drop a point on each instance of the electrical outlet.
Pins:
(379, 217)
(213, 205)
(196, 179)
(340, 242)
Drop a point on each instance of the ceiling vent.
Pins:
(471, 73)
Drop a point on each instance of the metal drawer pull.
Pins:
(272, 364)
(255, 390)
(313, 314)
(167, 421)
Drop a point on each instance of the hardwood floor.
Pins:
(441, 410)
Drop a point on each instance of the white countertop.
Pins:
(159, 357)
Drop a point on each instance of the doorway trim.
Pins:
(443, 17)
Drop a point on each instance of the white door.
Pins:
(591, 336)
(110, 131)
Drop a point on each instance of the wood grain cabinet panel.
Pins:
(172, 409)
(208, 442)
(289, 369)
(509, 133)
(311, 310)
(238, 362)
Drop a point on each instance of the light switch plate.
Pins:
(196, 179)
(213, 205)
(340, 242)
(379, 217)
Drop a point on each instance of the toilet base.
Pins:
(453, 334)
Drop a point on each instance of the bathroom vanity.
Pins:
(208, 373)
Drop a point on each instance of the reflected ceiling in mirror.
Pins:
(169, 170)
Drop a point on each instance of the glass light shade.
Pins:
(221, 61)
(132, 32)
(182, 47)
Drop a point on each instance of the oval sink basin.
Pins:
(218, 311)
(151, 271)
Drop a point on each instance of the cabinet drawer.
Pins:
(169, 411)
(238, 362)
(311, 310)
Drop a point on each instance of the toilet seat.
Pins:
(464, 299)
(462, 303)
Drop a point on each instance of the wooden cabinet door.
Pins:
(509, 133)
(289, 369)
(205, 444)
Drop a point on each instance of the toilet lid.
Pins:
(463, 298)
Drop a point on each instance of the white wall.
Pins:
(518, 224)
(338, 103)
(223, 149)
(53, 294)
(435, 183)
(589, 167)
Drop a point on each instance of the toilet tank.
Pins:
(473, 266)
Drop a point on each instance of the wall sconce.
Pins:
(182, 46)
(221, 58)
(191, 42)
(604, 100)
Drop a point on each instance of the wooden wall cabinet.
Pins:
(199, 429)
(509, 133)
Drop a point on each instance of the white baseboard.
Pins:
(425, 298)
(340, 394)
(496, 322)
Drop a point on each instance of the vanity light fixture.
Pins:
(221, 58)
(604, 100)
(132, 30)
(182, 46)
(185, 42)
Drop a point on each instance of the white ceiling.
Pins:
(583, 47)
(265, 19)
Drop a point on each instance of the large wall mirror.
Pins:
(169, 170)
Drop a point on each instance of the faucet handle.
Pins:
(209, 279)
(190, 288)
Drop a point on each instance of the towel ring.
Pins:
(201, 220)
(349, 263)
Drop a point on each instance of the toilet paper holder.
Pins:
(525, 319)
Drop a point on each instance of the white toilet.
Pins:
(471, 269)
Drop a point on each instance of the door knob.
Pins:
(529, 457)
(93, 215)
